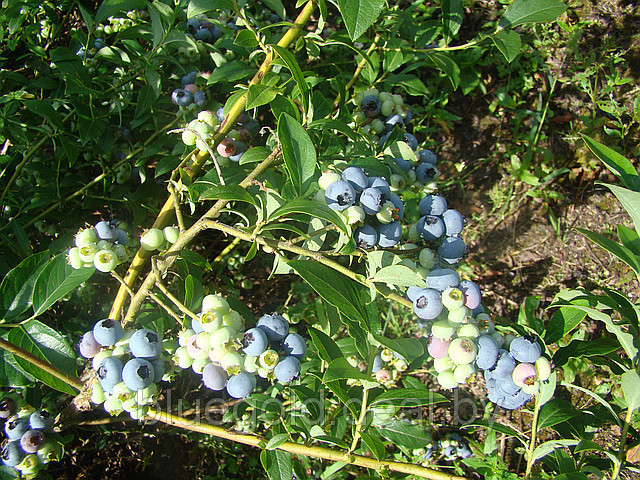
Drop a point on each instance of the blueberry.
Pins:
(241, 385)
(105, 232)
(200, 98)
(122, 238)
(356, 177)
(189, 78)
(505, 383)
(181, 97)
(451, 251)
(294, 345)
(254, 342)
(107, 332)
(204, 34)
(110, 373)
(504, 365)
(405, 165)
(214, 377)
(398, 203)
(453, 222)
(196, 326)
(427, 156)
(138, 373)
(430, 228)
(371, 200)
(442, 279)
(145, 343)
(472, 294)
(340, 195)
(379, 183)
(12, 454)
(366, 236)
(413, 292)
(427, 305)
(216, 33)
(392, 121)
(389, 234)
(377, 364)
(41, 420)
(220, 114)
(516, 400)
(370, 105)
(411, 141)
(274, 325)
(7, 407)
(287, 369)
(88, 346)
(432, 205)
(15, 427)
(487, 352)
(32, 441)
(426, 172)
(193, 24)
(241, 147)
(525, 349)
(158, 369)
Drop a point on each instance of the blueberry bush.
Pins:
(230, 221)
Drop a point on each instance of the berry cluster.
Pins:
(119, 24)
(156, 239)
(227, 357)
(190, 93)
(368, 201)
(204, 30)
(451, 447)
(26, 448)
(379, 112)
(128, 365)
(102, 247)
(409, 172)
(388, 367)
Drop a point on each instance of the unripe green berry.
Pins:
(86, 236)
(105, 260)
(171, 234)
(152, 239)
(74, 258)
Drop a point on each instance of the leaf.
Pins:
(255, 154)
(630, 200)
(509, 44)
(528, 11)
(399, 275)
(630, 239)
(11, 375)
(408, 397)
(405, 434)
(374, 444)
(312, 208)
(631, 389)
(259, 95)
(579, 348)
(341, 369)
(277, 464)
(298, 152)
(597, 398)
(327, 348)
(196, 7)
(277, 440)
(55, 281)
(17, 286)
(408, 348)
(359, 15)
(451, 18)
(619, 251)
(548, 447)
(445, 63)
(110, 8)
(228, 192)
(619, 165)
(526, 314)
(337, 289)
(499, 428)
(47, 344)
(230, 72)
(277, 7)
(45, 110)
(291, 63)
(556, 411)
(562, 322)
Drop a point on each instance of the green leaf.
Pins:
(499, 428)
(228, 192)
(55, 281)
(196, 7)
(341, 369)
(408, 397)
(400, 275)
(146, 97)
(548, 447)
(291, 63)
(580, 348)
(259, 95)
(331, 124)
(254, 155)
(358, 15)
(630, 239)
(405, 434)
(445, 63)
(526, 314)
(17, 286)
(327, 348)
(562, 322)
(45, 110)
(509, 44)
(631, 389)
(408, 348)
(337, 289)
(277, 7)
(620, 251)
(619, 165)
(374, 444)
(47, 344)
(11, 375)
(230, 72)
(556, 411)
(451, 18)
(277, 440)
(312, 208)
(597, 398)
(527, 11)
(630, 200)
(299, 153)
(277, 464)
(246, 38)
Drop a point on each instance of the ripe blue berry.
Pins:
(356, 177)
(105, 232)
(138, 374)
(294, 345)
(214, 377)
(15, 427)
(426, 172)
(32, 441)
(181, 97)
(109, 373)
(193, 24)
(432, 205)
(287, 369)
(107, 332)
(427, 156)
(41, 420)
(411, 141)
(371, 200)
(405, 165)
(487, 352)
(525, 349)
(451, 251)
(200, 98)
(254, 342)
(453, 222)
(472, 294)
(190, 77)
(88, 346)
(204, 34)
(371, 105)
(389, 234)
(366, 236)
(158, 369)
(377, 364)
(340, 195)
(398, 203)
(430, 228)
(12, 454)
(442, 279)
(381, 184)
(427, 304)
(274, 325)
(145, 343)
(241, 385)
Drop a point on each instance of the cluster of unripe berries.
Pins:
(156, 239)
(451, 447)
(128, 366)
(26, 447)
(118, 24)
(190, 93)
(228, 357)
(102, 247)
(379, 112)
(388, 367)
(418, 171)
(365, 201)
(204, 30)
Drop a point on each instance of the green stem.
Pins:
(296, 449)
(623, 441)
(532, 441)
